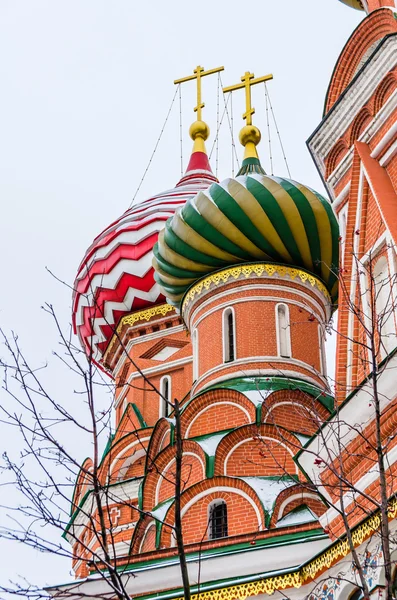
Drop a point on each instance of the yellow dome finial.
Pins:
(199, 130)
(250, 136)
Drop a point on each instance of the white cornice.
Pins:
(356, 96)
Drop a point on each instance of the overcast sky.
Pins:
(85, 87)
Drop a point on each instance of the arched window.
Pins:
(356, 594)
(229, 335)
(218, 520)
(165, 397)
(283, 331)
(195, 354)
(384, 306)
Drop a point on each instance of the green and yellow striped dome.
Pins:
(353, 3)
(249, 218)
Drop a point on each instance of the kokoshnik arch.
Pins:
(220, 292)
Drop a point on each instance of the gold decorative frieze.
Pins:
(140, 315)
(246, 270)
(308, 572)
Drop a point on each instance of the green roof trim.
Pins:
(138, 413)
(280, 540)
(251, 165)
(274, 383)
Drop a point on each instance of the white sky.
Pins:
(85, 86)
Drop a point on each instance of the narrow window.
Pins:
(165, 398)
(229, 336)
(218, 520)
(195, 355)
(283, 331)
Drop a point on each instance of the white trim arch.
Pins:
(283, 330)
(262, 437)
(167, 467)
(130, 460)
(242, 408)
(290, 499)
(225, 488)
(229, 335)
(145, 534)
(118, 456)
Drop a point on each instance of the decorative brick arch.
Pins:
(293, 497)
(156, 444)
(209, 412)
(336, 154)
(375, 27)
(118, 453)
(258, 451)
(193, 470)
(246, 509)
(359, 124)
(141, 529)
(384, 90)
(294, 410)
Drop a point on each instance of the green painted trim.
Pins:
(140, 493)
(210, 466)
(282, 540)
(251, 165)
(258, 414)
(138, 413)
(274, 383)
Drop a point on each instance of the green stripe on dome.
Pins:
(249, 218)
(178, 245)
(206, 230)
(237, 216)
(308, 220)
(271, 207)
(171, 269)
(334, 266)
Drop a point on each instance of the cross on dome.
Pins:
(199, 130)
(250, 136)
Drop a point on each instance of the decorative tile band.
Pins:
(140, 315)
(246, 270)
(307, 573)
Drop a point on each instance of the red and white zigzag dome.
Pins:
(116, 276)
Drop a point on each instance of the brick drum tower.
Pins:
(209, 304)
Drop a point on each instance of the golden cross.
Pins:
(198, 74)
(248, 81)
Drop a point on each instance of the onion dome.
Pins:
(252, 217)
(116, 275)
(243, 219)
(357, 4)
